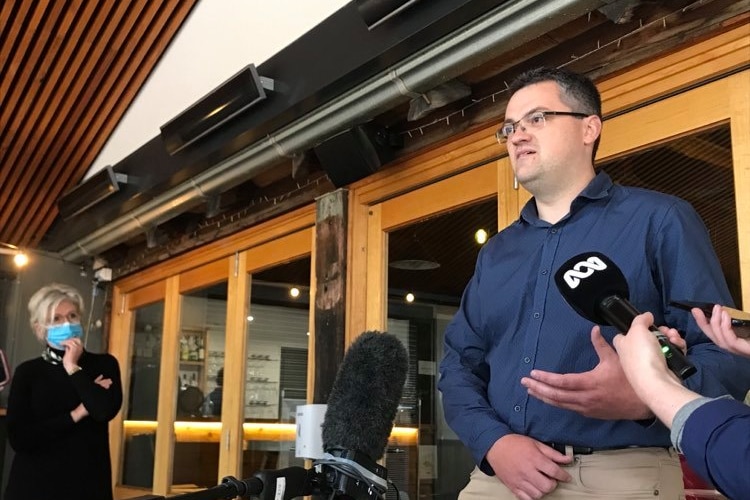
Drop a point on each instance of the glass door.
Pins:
(200, 351)
(278, 334)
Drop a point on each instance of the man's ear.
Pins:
(592, 130)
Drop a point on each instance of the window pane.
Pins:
(697, 168)
(276, 364)
(140, 425)
(199, 394)
(426, 278)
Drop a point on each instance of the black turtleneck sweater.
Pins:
(56, 458)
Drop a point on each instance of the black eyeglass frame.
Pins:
(502, 138)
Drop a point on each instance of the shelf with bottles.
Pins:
(192, 346)
(192, 356)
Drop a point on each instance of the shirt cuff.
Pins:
(680, 418)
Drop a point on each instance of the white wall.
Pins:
(218, 39)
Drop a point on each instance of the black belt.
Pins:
(586, 450)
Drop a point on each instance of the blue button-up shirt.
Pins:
(513, 319)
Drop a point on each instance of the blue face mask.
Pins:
(64, 331)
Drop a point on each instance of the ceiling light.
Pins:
(294, 292)
(409, 297)
(20, 259)
(419, 258)
(481, 236)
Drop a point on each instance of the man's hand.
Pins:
(527, 467)
(603, 392)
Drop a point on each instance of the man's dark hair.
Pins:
(576, 90)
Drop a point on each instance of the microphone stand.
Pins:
(230, 487)
(343, 474)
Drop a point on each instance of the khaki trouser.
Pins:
(627, 474)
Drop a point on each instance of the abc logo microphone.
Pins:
(597, 290)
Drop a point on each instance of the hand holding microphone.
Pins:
(597, 290)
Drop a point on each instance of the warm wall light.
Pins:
(294, 292)
(20, 258)
(207, 432)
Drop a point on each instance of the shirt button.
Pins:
(526, 359)
(553, 231)
(516, 408)
(544, 272)
(536, 315)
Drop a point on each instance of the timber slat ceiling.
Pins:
(68, 71)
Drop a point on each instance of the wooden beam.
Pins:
(330, 289)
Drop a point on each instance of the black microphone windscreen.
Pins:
(365, 395)
(586, 280)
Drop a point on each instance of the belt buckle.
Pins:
(582, 450)
(577, 450)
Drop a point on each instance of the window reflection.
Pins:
(276, 363)
(138, 461)
(433, 274)
(201, 352)
(697, 168)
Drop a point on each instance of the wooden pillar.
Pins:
(331, 223)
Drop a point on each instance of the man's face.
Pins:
(544, 156)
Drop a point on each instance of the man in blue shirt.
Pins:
(712, 433)
(535, 391)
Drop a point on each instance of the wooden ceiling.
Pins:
(69, 69)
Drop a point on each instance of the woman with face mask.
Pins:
(59, 407)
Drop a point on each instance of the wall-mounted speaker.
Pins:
(355, 153)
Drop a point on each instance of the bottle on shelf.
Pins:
(184, 350)
(192, 349)
(201, 349)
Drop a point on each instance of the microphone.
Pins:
(359, 418)
(596, 289)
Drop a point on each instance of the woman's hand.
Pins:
(73, 351)
(79, 413)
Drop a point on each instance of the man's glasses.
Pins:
(534, 120)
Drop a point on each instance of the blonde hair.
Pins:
(43, 303)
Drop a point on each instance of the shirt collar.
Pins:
(600, 187)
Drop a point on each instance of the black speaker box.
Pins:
(354, 154)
